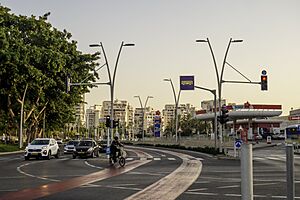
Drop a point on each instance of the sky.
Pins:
(164, 33)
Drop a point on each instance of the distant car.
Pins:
(102, 146)
(42, 148)
(70, 147)
(86, 148)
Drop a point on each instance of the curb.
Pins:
(12, 152)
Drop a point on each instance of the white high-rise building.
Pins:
(169, 113)
(122, 112)
(148, 120)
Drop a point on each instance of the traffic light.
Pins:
(224, 115)
(116, 123)
(264, 82)
(107, 121)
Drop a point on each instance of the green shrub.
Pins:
(8, 147)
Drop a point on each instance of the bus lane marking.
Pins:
(174, 184)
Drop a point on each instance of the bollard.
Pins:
(246, 172)
(290, 184)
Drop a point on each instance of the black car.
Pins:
(86, 148)
(102, 145)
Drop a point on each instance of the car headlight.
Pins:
(44, 147)
(90, 149)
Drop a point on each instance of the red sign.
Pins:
(294, 117)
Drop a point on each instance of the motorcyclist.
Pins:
(115, 148)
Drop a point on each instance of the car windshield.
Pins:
(73, 142)
(85, 143)
(40, 142)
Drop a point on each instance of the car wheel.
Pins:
(49, 155)
(97, 154)
(74, 156)
(27, 157)
(57, 154)
(92, 154)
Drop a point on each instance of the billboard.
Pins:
(186, 82)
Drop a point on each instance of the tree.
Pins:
(188, 124)
(36, 55)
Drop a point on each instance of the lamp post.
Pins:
(111, 82)
(143, 112)
(215, 110)
(220, 78)
(176, 99)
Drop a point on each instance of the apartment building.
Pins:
(168, 113)
(148, 120)
(93, 120)
(122, 112)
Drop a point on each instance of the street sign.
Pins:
(187, 83)
(238, 144)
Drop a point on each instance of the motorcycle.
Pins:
(120, 157)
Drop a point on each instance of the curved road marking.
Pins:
(90, 165)
(171, 186)
(52, 188)
(30, 175)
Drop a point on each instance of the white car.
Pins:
(42, 148)
(70, 147)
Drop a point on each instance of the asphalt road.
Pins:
(150, 172)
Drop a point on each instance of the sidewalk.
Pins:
(261, 145)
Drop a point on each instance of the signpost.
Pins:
(187, 82)
(157, 122)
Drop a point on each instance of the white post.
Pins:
(290, 172)
(246, 172)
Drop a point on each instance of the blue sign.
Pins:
(107, 150)
(238, 143)
(187, 83)
(157, 122)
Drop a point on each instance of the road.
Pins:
(149, 174)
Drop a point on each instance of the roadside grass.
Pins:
(9, 147)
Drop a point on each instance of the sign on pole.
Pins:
(186, 82)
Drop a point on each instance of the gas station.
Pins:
(252, 118)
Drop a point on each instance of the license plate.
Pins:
(34, 153)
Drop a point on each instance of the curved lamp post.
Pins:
(176, 99)
(143, 112)
(111, 82)
(220, 78)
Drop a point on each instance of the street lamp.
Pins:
(111, 82)
(176, 99)
(143, 112)
(219, 78)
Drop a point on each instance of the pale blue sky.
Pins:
(165, 31)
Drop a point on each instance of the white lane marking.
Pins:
(229, 186)
(129, 158)
(94, 166)
(157, 159)
(171, 158)
(195, 190)
(199, 159)
(111, 186)
(203, 193)
(273, 158)
(233, 195)
(33, 176)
